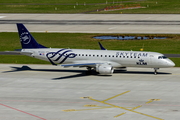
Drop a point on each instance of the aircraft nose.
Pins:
(170, 63)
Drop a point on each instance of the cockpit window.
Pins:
(162, 57)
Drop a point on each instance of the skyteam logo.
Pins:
(60, 56)
(25, 38)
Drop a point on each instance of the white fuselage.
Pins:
(114, 58)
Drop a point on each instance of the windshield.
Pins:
(162, 57)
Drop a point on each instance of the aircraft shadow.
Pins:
(139, 72)
(27, 68)
(81, 73)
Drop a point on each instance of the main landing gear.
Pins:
(89, 71)
(155, 71)
(89, 68)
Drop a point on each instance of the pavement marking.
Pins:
(116, 96)
(155, 99)
(151, 100)
(2, 16)
(120, 114)
(136, 107)
(131, 109)
(70, 110)
(175, 74)
(86, 97)
(91, 106)
(23, 112)
(125, 108)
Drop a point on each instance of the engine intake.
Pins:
(105, 69)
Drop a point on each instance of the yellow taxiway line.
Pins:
(126, 109)
(131, 109)
(116, 96)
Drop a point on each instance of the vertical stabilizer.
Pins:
(26, 39)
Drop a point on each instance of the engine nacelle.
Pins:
(105, 69)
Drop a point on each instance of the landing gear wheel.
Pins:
(89, 71)
(89, 68)
(155, 71)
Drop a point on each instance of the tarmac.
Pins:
(93, 23)
(45, 92)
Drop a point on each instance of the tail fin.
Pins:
(26, 39)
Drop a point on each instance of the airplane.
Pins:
(102, 61)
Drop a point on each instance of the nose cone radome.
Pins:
(170, 63)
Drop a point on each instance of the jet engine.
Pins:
(105, 69)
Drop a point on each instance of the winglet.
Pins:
(26, 39)
(102, 48)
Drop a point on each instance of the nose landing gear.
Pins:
(155, 71)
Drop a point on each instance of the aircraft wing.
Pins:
(81, 65)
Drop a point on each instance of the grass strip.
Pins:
(89, 6)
